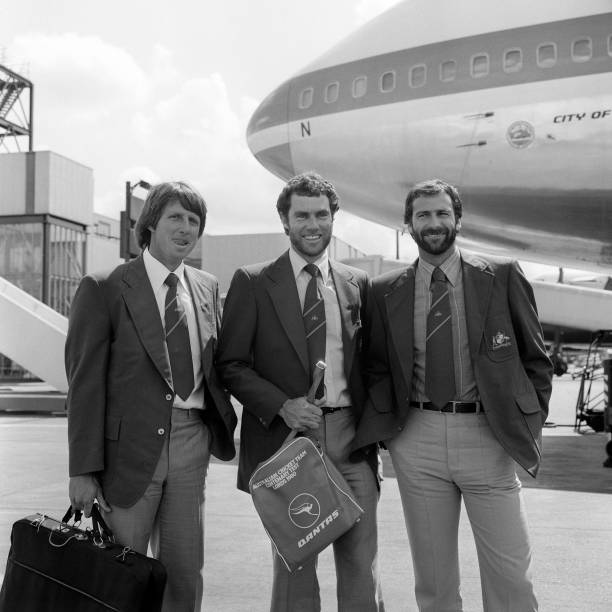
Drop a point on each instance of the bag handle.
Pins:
(100, 528)
(78, 515)
(317, 377)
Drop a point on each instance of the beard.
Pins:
(435, 248)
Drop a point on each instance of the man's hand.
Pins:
(83, 490)
(300, 414)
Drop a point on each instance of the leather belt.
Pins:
(454, 407)
(330, 409)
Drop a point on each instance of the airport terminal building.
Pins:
(50, 236)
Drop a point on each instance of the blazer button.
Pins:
(161, 431)
(168, 396)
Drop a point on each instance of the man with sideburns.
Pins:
(279, 319)
(459, 383)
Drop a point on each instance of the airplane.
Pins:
(510, 102)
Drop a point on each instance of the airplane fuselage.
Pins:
(518, 118)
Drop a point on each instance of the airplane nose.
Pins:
(268, 133)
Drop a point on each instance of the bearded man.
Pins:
(459, 383)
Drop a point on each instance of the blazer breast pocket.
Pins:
(499, 339)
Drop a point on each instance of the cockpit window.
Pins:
(418, 75)
(582, 50)
(331, 92)
(448, 70)
(480, 65)
(360, 86)
(513, 60)
(547, 55)
(306, 96)
(387, 81)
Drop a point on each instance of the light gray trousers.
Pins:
(170, 514)
(355, 552)
(440, 458)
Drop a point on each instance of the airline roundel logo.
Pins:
(520, 134)
(304, 510)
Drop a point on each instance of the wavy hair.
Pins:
(159, 197)
(307, 184)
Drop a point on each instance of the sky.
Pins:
(164, 91)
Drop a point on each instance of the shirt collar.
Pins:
(157, 271)
(451, 266)
(298, 263)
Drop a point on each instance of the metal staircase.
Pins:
(16, 110)
(9, 93)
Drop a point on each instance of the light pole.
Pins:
(128, 219)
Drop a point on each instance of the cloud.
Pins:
(195, 134)
(200, 108)
(97, 105)
(83, 77)
(164, 72)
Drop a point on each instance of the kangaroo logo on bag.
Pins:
(303, 501)
(304, 510)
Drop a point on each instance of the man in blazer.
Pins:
(266, 362)
(458, 435)
(145, 407)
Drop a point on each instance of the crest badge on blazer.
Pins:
(500, 340)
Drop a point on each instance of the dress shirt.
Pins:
(466, 390)
(336, 386)
(157, 273)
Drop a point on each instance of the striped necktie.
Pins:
(177, 340)
(314, 323)
(439, 357)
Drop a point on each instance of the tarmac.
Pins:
(569, 511)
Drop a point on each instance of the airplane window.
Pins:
(480, 65)
(547, 55)
(306, 97)
(387, 81)
(331, 92)
(418, 75)
(360, 86)
(582, 50)
(513, 60)
(448, 70)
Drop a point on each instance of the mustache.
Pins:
(441, 232)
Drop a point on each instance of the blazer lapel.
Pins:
(281, 286)
(400, 313)
(349, 302)
(202, 296)
(477, 286)
(140, 301)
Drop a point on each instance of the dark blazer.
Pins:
(512, 370)
(263, 355)
(120, 385)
